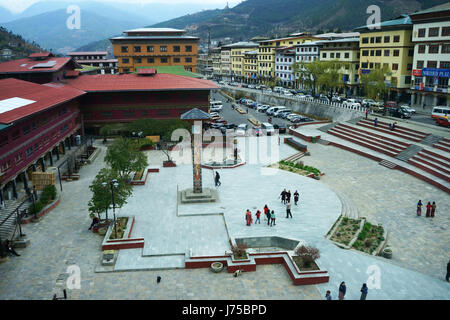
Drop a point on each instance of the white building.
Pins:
(96, 59)
(431, 66)
(284, 70)
(307, 52)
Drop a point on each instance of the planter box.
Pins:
(126, 242)
(44, 211)
(144, 180)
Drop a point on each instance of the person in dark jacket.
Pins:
(288, 196)
(328, 295)
(419, 208)
(364, 290)
(448, 271)
(217, 179)
(342, 290)
(95, 221)
(296, 195)
(283, 196)
(10, 249)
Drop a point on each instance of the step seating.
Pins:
(431, 170)
(400, 129)
(442, 146)
(385, 129)
(432, 163)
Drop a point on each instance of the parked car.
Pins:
(408, 108)
(248, 102)
(443, 121)
(284, 115)
(367, 102)
(324, 98)
(351, 103)
(216, 106)
(220, 121)
(267, 128)
(280, 127)
(216, 125)
(251, 86)
(292, 115)
(241, 129)
(263, 108)
(399, 112)
(391, 104)
(279, 112)
(228, 127)
(278, 89)
(293, 91)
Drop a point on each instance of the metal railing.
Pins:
(10, 220)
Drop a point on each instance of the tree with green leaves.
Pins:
(374, 83)
(124, 156)
(105, 131)
(101, 199)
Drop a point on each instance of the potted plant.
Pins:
(307, 256)
(216, 267)
(387, 253)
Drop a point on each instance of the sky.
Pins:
(17, 6)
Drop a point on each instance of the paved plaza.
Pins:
(420, 245)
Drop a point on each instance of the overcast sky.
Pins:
(18, 6)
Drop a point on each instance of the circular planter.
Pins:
(387, 253)
(216, 267)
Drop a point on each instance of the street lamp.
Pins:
(113, 184)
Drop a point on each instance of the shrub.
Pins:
(357, 244)
(368, 243)
(308, 254)
(362, 235)
(239, 249)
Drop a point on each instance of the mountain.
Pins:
(50, 29)
(19, 47)
(274, 18)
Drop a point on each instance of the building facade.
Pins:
(148, 47)
(237, 58)
(251, 66)
(225, 63)
(389, 46)
(215, 57)
(96, 59)
(431, 65)
(284, 66)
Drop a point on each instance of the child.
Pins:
(272, 218)
(258, 214)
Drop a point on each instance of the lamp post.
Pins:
(113, 184)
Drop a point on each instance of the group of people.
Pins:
(343, 289)
(392, 125)
(269, 216)
(286, 196)
(431, 208)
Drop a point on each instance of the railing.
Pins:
(10, 221)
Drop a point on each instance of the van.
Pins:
(272, 110)
(440, 111)
(267, 128)
(215, 106)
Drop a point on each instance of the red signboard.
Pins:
(421, 86)
(417, 72)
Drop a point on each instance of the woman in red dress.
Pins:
(428, 209)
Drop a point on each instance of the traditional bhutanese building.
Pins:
(155, 47)
(95, 59)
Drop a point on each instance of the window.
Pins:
(445, 48)
(324, 55)
(365, 40)
(332, 55)
(421, 32)
(396, 38)
(445, 31)
(409, 67)
(443, 82)
(29, 151)
(18, 158)
(396, 53)
(372, 40)
(371, 65)
(176, 48)
(411, 53)
(26, 130)
(6, 165)
(372, 53)
(433, 32)
(378, 53)
(3, 140)
(433, 48)
(16, 134)
(421, 48)
(176, 60)
(386, 53)
(187, 59)
(125, 60)
(387, 39)
(432, 64)
(347, 55)
(164, 60)
(408, 80)
(378, 40)
(150, 60)
(150, 49)
(124, 48)
(188, 48)
(128, 113)
(137, 49)
(338, 55)
(444, 64)
(126, 70)
(137, 60)
(395, 66)
(419, 64)
(163, 48)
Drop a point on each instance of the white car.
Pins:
(249, 102)
(251, 86)
(241, 129)
(292, 116)
(351, 103)
(408, 108)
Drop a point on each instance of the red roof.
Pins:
(87, 53)
(45, 97)
(133, 82)
(27, 65)
(41, 55)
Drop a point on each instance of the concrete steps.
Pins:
(431, 163)
(375, 135)
(409, 152)
(430, 140)
(388, 164)
(399, 129)
(388, 131)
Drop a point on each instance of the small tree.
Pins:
(101, 199)
(124, 157)
(105, 131)
(308, 254)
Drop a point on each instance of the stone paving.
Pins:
(62, 239)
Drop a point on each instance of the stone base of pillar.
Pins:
(188, 196)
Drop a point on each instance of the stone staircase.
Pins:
(8, 223)
(430, 140)
(409, 152)
(327, 127)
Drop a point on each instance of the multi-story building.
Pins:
(37, 124)
(284, 62)
(204, 64)
(389, 44)
(225, 63)
(215, 57)
(431, 65)
(251, 66)
(307, 52)
(237, 54)
(267, 51)
(95, 59)
(155, 47)
(39, 67)
(345, 50)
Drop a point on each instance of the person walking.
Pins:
(217, 179)
(288, 196)
(328, 295)
(428, 210)
(258, 215)
(248, 217)
(266, 213)
(433, 209)
(419, 208)
(364, 290)
(367, 112)
(342, 290)
(288, 209)
(272, 218)
(296, 195)
(283, 196)
(447, 276)
(95, 220)
(375, 122)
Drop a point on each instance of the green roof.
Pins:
(442, 7)
(177, 70)
(404, 19)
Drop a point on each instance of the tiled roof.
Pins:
(27, 65)
(44, 96)
(195, 114)
(133, 82)
(41, 55)
(404, 19)
(87, 53)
